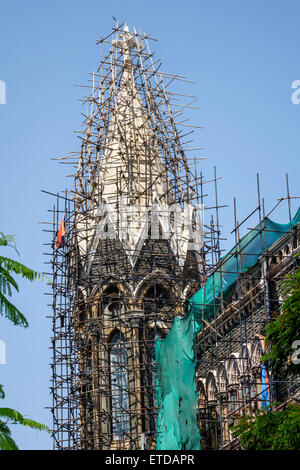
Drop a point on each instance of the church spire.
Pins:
(127, 265)
(139, 168)
(131, 163)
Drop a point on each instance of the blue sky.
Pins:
(244, 56)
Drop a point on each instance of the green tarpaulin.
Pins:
(176, 389)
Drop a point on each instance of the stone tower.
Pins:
(134, 253)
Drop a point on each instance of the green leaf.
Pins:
(8, 240)
(18, 268)
(34, 425)
(281, 333)
(270, 429)
(6, 441)
(14, 417)
(6, 280)
(8, 267)
(11, 414)
(11, 312)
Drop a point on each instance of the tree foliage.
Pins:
(8, 417)
(270, 430)
(9, 267)
(285, 329)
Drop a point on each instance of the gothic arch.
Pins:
(233, 371)
(245, 359)
(211, 387)
(157, 294)
(113, 330)
(80, 310)
(257, 352)
(111, 280)
(233, 374)
(112, 301)
(156, 298)
(202, 396)
(113, 291)
(157, 277)
(222, 380)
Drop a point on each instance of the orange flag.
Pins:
(61, 233)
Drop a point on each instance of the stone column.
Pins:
(134, 319)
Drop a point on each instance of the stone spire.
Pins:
(131, 164)
(131, 185)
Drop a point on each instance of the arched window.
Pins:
(112, 301)
(81, 309)
(213, 415)
(246, 361)
(119, 387)
(233, 372)
(257, 353)
(202, 410)
(233, 378)
(155, 299)
(222, 379)
(245, 386)
(201, 395)
(151, 377)
(211, 388)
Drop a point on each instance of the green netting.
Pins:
(176, 389)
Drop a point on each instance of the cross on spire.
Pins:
(126, 44)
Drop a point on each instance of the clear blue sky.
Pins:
(244, 55)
